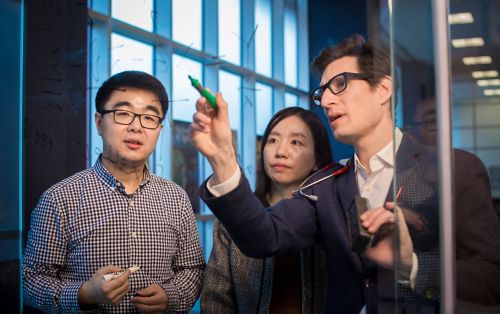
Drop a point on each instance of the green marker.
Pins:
(203, 92)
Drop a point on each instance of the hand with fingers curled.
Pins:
(152, 299)
(99, 291)
(211, 135)
(380, 223)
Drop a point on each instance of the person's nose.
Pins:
(136, 125)
(328, 99)
(281, 150)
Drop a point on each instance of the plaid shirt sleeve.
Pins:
(44, 258)
(188, 265)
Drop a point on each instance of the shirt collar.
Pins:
(108, 179)
(385, 155)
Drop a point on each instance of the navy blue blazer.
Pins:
(354, 281)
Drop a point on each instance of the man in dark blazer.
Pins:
(355, 93)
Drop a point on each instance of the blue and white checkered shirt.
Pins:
(88, 221)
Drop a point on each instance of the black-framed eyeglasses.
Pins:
(147, 121)
(336, 85)
(429, 124)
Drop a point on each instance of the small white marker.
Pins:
(117, 274)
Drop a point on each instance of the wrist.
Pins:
(224, 165)
(83, 298)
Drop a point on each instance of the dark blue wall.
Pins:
(55, 97)
(330, 22)
(10, 31)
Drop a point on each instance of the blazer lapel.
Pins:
(406, 162)
(347, 188)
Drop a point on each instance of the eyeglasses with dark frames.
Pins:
(147, 121)
(429, 124)
(336, 85)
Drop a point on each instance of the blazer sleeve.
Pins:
(477, 228)
(290, 225)
(217, 295)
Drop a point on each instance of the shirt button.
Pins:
(368, 188)
(134, 234)
(131, 202)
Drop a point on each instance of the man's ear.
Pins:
(384, 90)
(98, 122)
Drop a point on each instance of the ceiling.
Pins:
(486, 14)
(414, 37)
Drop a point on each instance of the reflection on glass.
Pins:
(418, 197)
(291, 100)
(263, 45)
(488, 115)
(184, 96)
(186, 22)
(476, 102)
(230, 31)
(129, 54)
(463, 139)
(422, 124)
(230, 86)
(135, 12)
(290, 31)
(264, 106)
(474, 217)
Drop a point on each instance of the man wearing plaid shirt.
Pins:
(116, 215)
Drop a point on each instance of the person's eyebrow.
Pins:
(299, 134)
(121, 104)
(127, 104)
(430, 113)
(294, 134)
(154, 109)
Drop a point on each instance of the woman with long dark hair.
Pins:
(295, 144)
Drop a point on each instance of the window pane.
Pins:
(186, 22)
(230, 86)
(185, 162)
(263, 44)
(290, 31)
(291, 100)
(229, 30)
(184, 96)
(129, 54)
(135, 12)
(264, 107)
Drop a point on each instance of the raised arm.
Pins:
(211, 135)
(290, 225)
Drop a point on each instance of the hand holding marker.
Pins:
(117, 274)
(203, 92)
